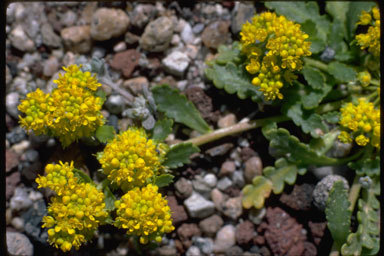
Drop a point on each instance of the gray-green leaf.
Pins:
(233, 79)
(178, 107)
(162, 129)
(105, 133)
(338, 214)
(179, 154)
(164, 180)
(342, 72)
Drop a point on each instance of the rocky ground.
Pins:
(146, 45)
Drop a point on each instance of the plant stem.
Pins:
(237, 128)
(375, 82)
(315, 63)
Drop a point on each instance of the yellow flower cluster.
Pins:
(364, 122)
(274, 47)
(364, 78)
(145, 213)
(130, 159)
(75, 212)
(70, 112)
(371, 39)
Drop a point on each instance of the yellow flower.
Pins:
(371, 39)
(273, 45)
(70, 112)
(364, 122)
(364, 78)
(75, 212)
(130, 159)
(145, 213)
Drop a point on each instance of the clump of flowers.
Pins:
(364, 122)
(131, 159)
(274, 47)
(75, 212)
(70, 112)
(145, 213)
(371, 39)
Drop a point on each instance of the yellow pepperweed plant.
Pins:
(371, 39)
(71, 111)
(131, 159)
(274, 47)
(144, 213)
(75, 212)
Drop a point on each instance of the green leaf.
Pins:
(332, 117)
(285, 145)
(179, 154)
(283, 172)
(254, 194)
(233, 79)
(314, 77)
(228, 54)
(82, 177)
(366, 166)
(317, 45)
(105, 133)
(162, 129)
(324, 143)
(164, 180)
(309, 121)
(338, 11)
(366, 240)
(353, 15)
(109, 199)
(301, 12)
(342, 72)
(178, 107)
(338, 214)
(101, 94)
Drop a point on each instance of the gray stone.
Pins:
(215, 34)
(157, 35)
(35, 195)
(20, 147)
(20, 200)
(234, 250)
(50, 38)
(198, 28)
(11, 103)
(233, 208)
(340, 150)
(226, 121)
(20, 40)
(18, 244)
(225, 239)
(166, 251)
(224, 183)
(253, 168)
(31, 155)
(51, 66)
(257, 215)
(219, 150)
(200, 186)
(108, 23)
(131, 38)
(191, 51)
(141, 14)
(176, 63)
(18, 223)
(242, 13)
(227, 168)
(238, 179)
(321, 192)
(198, 206)
(32, 219)
(77, 38)
(98, 52)
(193, 251)
(115, 104)
(68, 18)
(218, 198)
(183, 188)
(8, 76)
(186, 34)
(119, 47)
(210, 179)
(211, 225)
(323, 171)
(136, 84)
(204, 244)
